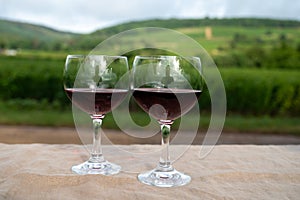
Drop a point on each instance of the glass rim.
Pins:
(97, 55)
(164, 56)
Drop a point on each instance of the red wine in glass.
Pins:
(175, 102)
(96, 85)
(96, 101)
(166, 87)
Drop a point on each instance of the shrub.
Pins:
(262, 92)
(28, 83)
(27, 78)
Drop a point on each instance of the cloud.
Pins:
(83, 16)
(194, 9)
(256, 8)
(86, 16)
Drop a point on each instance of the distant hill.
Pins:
(185, 23)
(23, 35)
(191, 27)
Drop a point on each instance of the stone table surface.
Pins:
(42, 171)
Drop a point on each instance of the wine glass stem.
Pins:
(96, 153)
(164, 161)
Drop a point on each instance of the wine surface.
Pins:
(164, 103)
(96, 101)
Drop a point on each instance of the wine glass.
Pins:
(166, 87)
(95, 84)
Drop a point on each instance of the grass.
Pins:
(221, 35)
(36, 117)
(265, 124)
(233, 123)
(36, 61)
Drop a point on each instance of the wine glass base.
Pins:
(164, 179)
(104, 168)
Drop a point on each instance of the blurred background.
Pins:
(255, 44)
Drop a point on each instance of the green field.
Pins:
(233, 123)
(32, 94)
(222, 36)
(259, 61)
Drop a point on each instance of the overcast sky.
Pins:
(84, 16)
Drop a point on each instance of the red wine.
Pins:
(173, 102)
(97, 102)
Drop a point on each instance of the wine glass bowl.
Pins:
(95, 84)
(166, 87)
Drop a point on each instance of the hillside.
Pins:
(187, 23)
(223, 28)
(259, 61)
(24, 35)
(27, 36)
